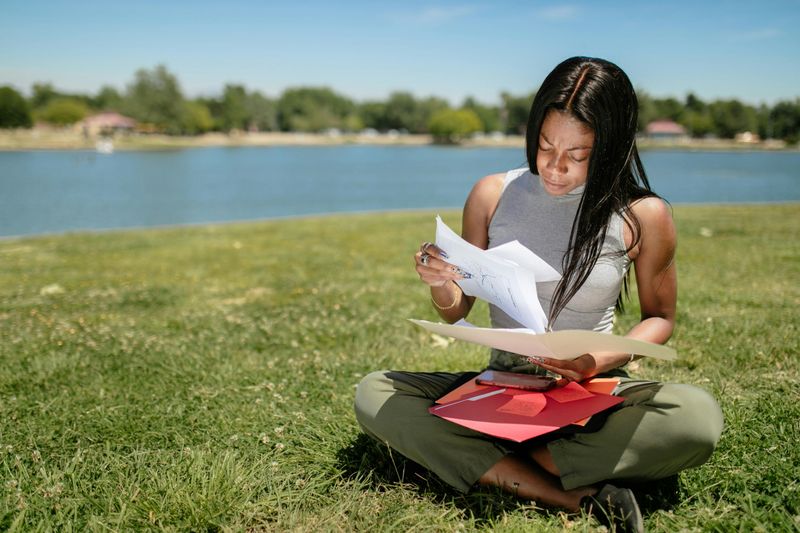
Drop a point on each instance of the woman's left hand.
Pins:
(577, 369)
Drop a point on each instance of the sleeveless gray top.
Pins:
(541, 222)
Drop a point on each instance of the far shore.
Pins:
(55, 139)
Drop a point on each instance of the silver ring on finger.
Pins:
(424, 259)
(425, 246)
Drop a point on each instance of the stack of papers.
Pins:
(506, 276)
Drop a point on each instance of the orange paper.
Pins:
(568, 393)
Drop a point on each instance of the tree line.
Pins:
(155, 99)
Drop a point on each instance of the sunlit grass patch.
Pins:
(202, 378)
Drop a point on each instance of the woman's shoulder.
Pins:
(489, 186)
(480, 207)
(652, 210)
(487, 190)
(655, 222)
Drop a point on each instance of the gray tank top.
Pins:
(541, 222)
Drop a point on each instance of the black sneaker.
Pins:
(615, 508)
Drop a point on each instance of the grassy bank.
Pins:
(202, 378)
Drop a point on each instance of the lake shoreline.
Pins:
(58, 140)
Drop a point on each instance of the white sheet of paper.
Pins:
(496, 278)
(515, 252)
(564, 344)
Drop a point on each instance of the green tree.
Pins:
(312, 109)
(14, 111)
(401, 112)
(44, 93)
(41, 94)
(352, 123)
(155, 97)
(697, 123)
(262, 113)
(514, 112)
(108, 98)
(731, 117)
(784, 121)
(647, 109)
(426, 109)
(695, 117)
(454, 125)
(489, 115)
(234, 108)
(668, 109)
(196, 118)
(214, 106)
(693, 103)
(373, 115)
(63, 111)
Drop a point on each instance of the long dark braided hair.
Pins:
(599, 94)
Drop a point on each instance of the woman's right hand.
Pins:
(432, 267)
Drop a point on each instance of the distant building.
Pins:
(747, 137)
(665, 129)
(106, 123)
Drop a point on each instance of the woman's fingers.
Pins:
(434, 264)
(434, 271)
(576, 369)
(431, 249)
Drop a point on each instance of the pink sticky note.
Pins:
(524, 404)
(568, 393)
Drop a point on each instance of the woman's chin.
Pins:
(555, 189)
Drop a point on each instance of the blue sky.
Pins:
(365, 50)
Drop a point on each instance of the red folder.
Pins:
(520, 415)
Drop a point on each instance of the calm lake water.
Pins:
(50, 192)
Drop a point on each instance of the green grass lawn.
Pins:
(202, 378)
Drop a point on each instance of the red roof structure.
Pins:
(665, 128)
(107, 121)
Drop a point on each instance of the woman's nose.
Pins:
(556, 162)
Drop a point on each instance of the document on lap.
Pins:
(519, 415)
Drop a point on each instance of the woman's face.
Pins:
(562, 158)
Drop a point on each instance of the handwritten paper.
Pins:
(505, 276)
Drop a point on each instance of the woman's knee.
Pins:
(699, 421)
(371, 393)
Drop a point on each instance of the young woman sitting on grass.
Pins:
(584, 205)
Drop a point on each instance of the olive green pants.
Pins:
(659, 430)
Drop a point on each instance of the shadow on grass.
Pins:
(381, 468)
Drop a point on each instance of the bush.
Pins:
(452, 126)
(14, 111)
(63, 111)
(196, 118)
